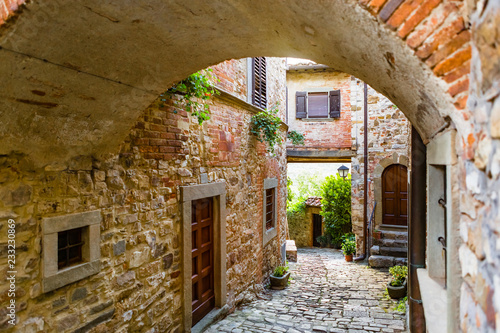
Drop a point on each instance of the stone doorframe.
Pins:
(188, 195)
(377, 183)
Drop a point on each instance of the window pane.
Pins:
(317, 105)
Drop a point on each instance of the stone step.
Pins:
(377, 261)
(396, 235)
(401, 252)
(291, 250)
(387, 242)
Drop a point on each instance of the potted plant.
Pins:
(348, 249)
(377, 234)
(279, 278)
(397, 285)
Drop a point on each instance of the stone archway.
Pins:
(61, 74)
(377, 182)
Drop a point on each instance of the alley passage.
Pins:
(326, 294)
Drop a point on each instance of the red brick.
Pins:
(174, 130)
(167, 149)
(141, 141)
(222, 146)
(402, 13)
(159, 128)
(375, 5)
(448, 48)
(458, 72)
(461, 102)
(457, 59)
(440, 37)
(422, 12)
(459, 87)
(174, 143)
(157, 142)
(430, 24)
(148, 149)
(170, 122)
(171, 136)
(150, 134)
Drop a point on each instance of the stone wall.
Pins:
(301, 226)
(321, 134)
(479, 184)
(388, 143)
(136, 189)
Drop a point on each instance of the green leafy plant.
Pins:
(289, 192)
(348, 247)
(265, 126)
(296, 137)
(401, 306)
(336, 207)
(399, 274)
(280, 271)
(195, 91)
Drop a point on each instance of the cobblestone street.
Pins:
(326, 294)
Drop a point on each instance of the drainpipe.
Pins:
(417, 230)
(365, 192)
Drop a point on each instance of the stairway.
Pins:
(390, 250)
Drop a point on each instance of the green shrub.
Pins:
(280, 270)
(348, 247)
(336, 207)
(401, 306)
(296, 137)
(399, 274)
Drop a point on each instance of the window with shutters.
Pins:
(259, 85)
(270, 208)
(318, 104)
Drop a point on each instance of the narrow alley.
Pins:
(326, 294)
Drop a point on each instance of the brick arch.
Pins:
(96, 65)
(377, 182)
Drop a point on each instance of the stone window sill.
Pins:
(434, 301)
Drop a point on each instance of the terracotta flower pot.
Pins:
(396, 292)
(377, 235)
(348, 257)
(279, 283)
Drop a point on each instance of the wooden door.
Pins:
(203, 258)
(317, 228)
(395, 195)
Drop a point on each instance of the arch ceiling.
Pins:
(77, 74)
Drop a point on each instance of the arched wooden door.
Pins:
(395, 196)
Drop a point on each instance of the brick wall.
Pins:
(321, 135)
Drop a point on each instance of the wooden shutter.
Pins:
(301, 109)
(259, 86)
(335, 104)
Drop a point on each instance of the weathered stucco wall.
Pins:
(331, 134)
(388, 143)
(136, 190)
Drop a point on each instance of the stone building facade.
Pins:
(388, 145)
(139, 200)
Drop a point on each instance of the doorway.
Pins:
(395, 196)
(317, 229)
(202, 278)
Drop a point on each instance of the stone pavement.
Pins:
(326, 294)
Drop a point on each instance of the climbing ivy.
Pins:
(195, 91)
(296, 137)
(265, 126)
